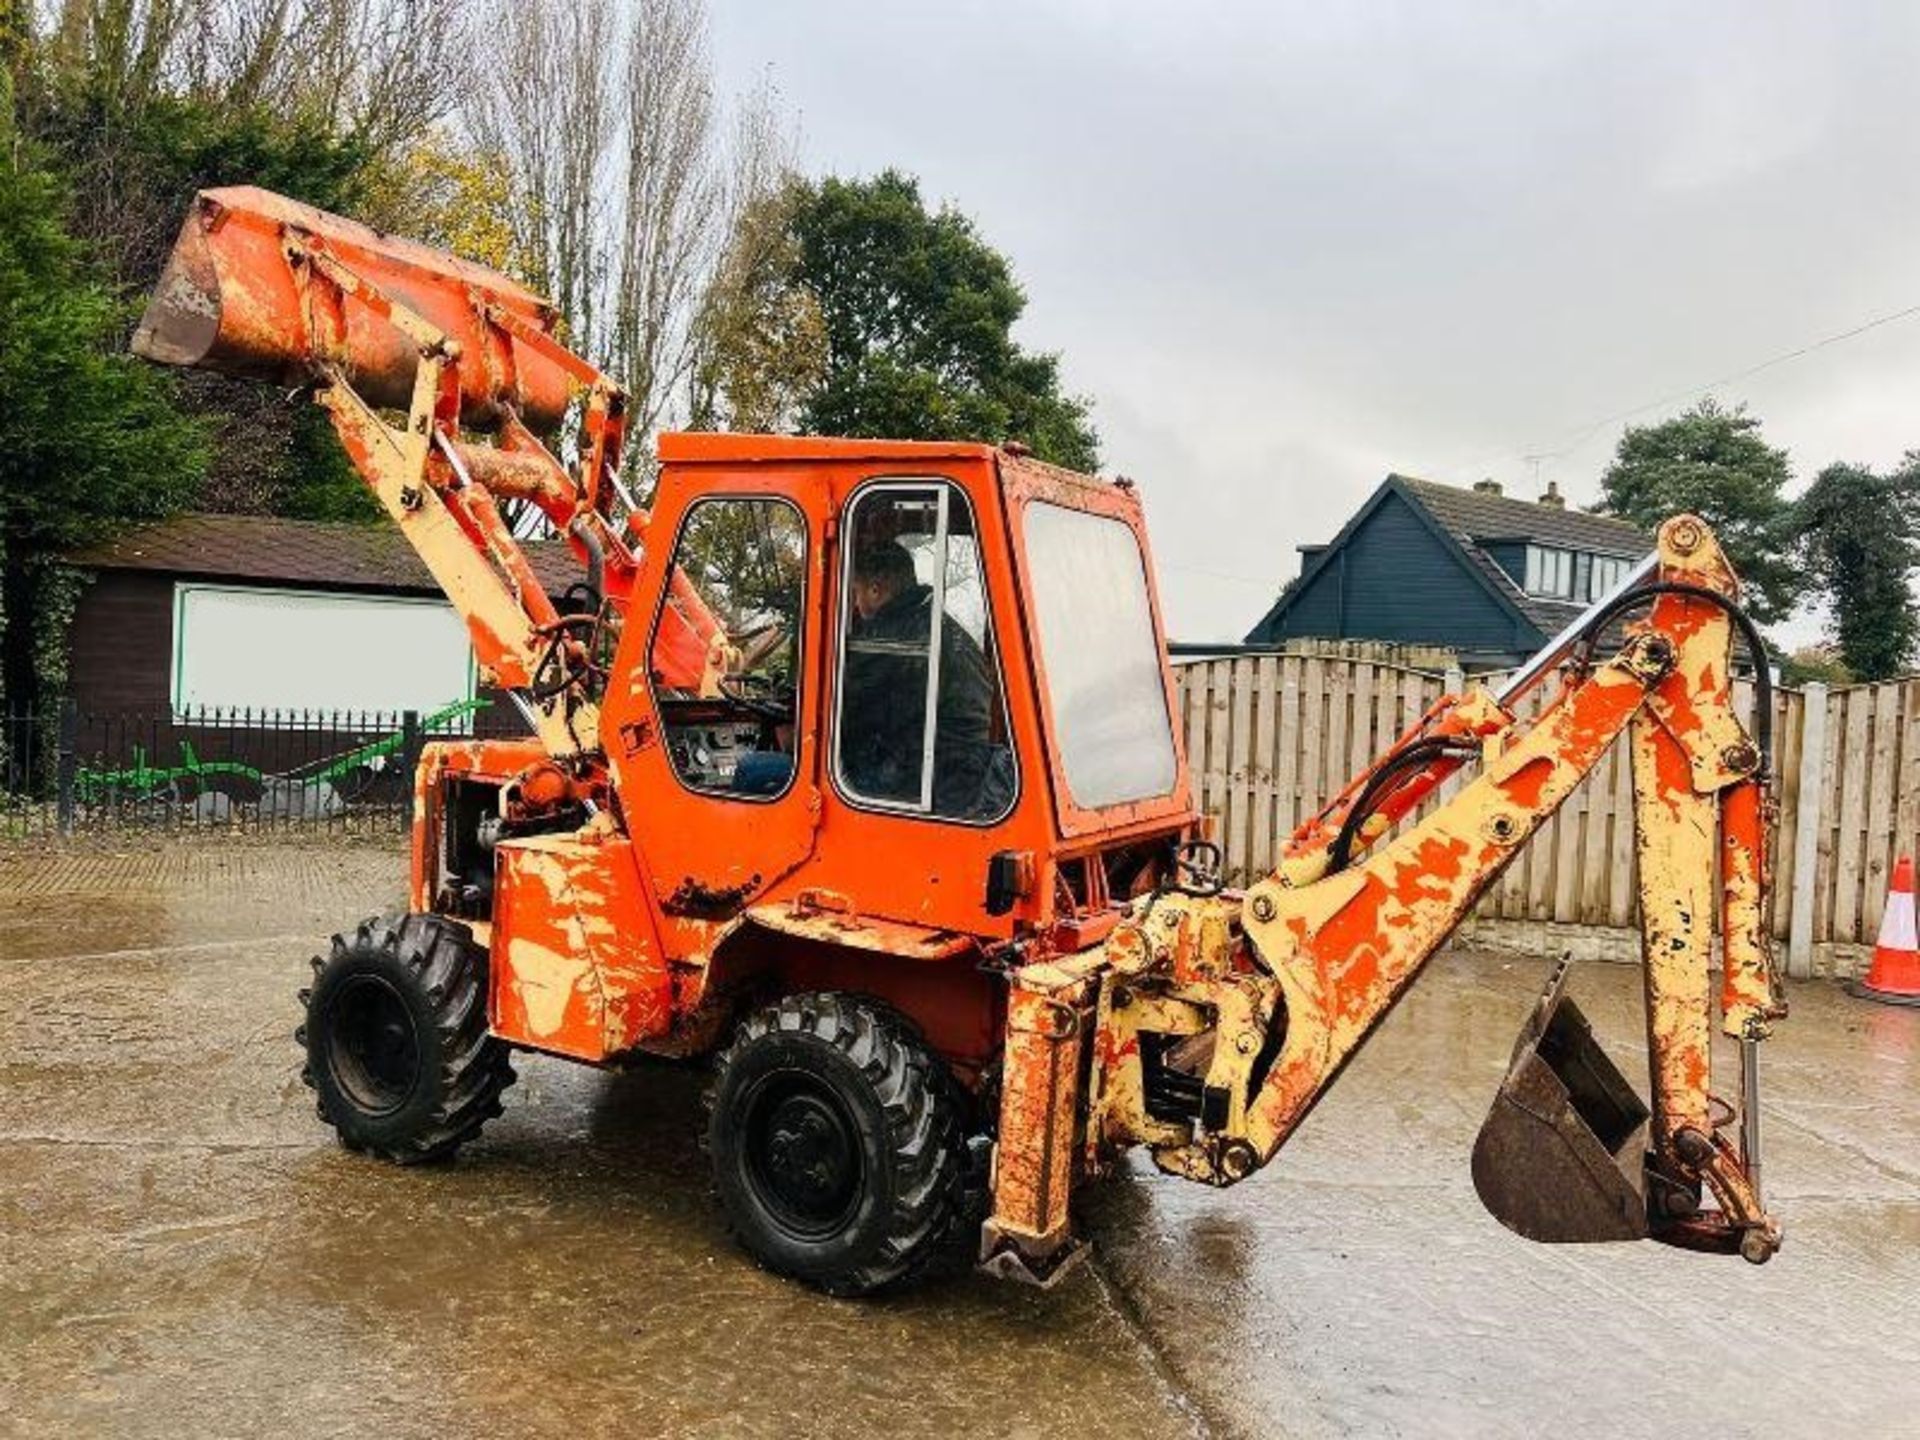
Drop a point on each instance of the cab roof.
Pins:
(692, 448)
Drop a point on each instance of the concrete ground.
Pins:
(183, 1251)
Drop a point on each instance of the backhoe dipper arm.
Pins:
(1218, 1022)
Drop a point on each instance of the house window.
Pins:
(1549, 572)
(1557, 574)
(1608, 571)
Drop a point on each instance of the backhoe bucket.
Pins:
(1561, 1156)
(229, 300)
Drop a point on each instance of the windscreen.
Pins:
(1102, 656)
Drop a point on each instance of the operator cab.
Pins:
(946, 653)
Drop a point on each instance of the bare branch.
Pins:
(674, 191)
(545, 106)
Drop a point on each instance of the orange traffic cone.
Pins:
(1894, 976)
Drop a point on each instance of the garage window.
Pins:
(281, 652)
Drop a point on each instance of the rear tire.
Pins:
(838, 1145)
(398, 1051)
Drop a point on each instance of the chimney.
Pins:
(1489, 486)
(1553, 498)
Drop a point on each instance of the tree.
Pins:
(444, 191)
(136, 106)
(673, 198)
(919, 313)
(89, 437)
(135, 101)
(545, 105)
(1712, 462)
(627, 199)
(1815, 662)
(1859, 538)
(762, 341)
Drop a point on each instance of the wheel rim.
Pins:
(803, 1158)
(373, 1049)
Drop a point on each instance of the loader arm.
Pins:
(264, 287)
(1215, 1022)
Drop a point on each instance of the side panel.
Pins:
(574, 970)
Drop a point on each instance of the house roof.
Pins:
(1474, 512)
(1464, 518)
(1471, 516)
(321, 554)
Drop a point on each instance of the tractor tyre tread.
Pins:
(922, 1108)
(441, 974)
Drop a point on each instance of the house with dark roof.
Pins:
(240, 613)
(1474, 570)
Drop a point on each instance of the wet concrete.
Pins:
(183, 1251)
(1356, 1287)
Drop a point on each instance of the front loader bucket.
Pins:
(1561, 1156)
(229, 300)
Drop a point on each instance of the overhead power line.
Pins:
(1581, 434)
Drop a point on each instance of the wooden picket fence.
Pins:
(1270, 738)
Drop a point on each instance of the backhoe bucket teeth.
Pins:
(1561, 1156)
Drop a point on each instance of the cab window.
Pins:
(1094, 617)
(725, 656)
(922, 721)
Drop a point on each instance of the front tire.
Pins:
(398, 1052)
(838, 1145)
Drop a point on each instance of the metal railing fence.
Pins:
(64, 771)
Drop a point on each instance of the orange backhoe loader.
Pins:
(853, 766)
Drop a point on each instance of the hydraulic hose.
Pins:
(596, 558)
(1756, 647)
(1415, 756)
(1424, 752)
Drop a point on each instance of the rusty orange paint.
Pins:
(1338, 947)
(1749, 996)
(631, 913)
(229, 301)
(1040, 1103)
(568, 975)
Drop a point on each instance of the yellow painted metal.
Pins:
(1267, 996)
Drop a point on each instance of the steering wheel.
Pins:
(1199, 868)
(761, 696)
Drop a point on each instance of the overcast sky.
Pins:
(1286, 248)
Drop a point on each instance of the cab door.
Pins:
(926, 727)
(712, 736)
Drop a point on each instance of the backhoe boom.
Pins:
(1252, 1004)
